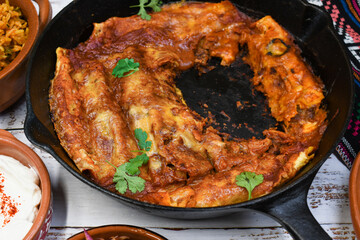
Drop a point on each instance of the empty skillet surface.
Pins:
(227, 98)
(313, 31)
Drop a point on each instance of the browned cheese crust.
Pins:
(191, 164)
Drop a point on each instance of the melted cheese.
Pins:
(191, 165)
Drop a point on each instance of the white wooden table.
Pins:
(77, 206)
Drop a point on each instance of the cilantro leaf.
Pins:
(126, 175)
(154, 4)
(249, 180)
(135, 184)
(141, 136)
(120, 179)
(136, 162)
(125, 181)
(143, 14)
(125, 65)
(121, 185)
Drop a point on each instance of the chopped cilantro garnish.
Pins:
(126, 175)
(154, 4)
(124, 180)
(135, 163)
(141, 136)
(249, 180)
(125, 65)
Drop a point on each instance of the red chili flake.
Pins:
(8, 206)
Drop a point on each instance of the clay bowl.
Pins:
(12, 77)
(12, 147)
(132, 232)
(354, 195)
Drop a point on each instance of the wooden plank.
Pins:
(14, 117)
(58, 5)
(328, 191)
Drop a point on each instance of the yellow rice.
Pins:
(13, 33)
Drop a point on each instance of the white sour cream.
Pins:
(20, 194)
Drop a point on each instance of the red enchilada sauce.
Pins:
(190, 164)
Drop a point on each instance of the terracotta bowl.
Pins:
(12, 77)
(12, 147)
(134, 233)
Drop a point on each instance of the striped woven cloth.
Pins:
(346, 19)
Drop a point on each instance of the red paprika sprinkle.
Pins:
(8, 206)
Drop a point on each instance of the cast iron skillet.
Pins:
(322, 49)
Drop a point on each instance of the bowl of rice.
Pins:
(20, 24)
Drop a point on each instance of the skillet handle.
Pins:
(292, 212)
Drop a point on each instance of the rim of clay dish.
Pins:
(30, 13)
(126, 230)
(12, 147)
